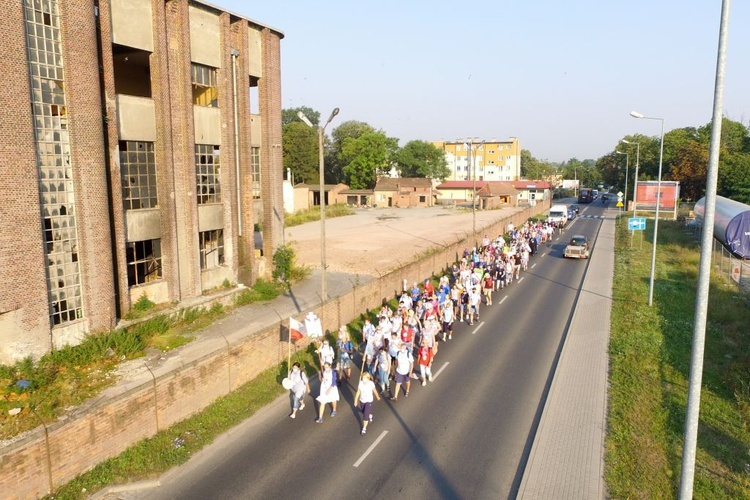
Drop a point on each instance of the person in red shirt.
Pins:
(425, 356)
(428, 290)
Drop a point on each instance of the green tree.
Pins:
(365, 157)
(690, 168)
(300, 148)
(334, 163)
(734, 177)
(290, 115)
(422, 159)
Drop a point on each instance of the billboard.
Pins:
(570, 184)
(646, 195)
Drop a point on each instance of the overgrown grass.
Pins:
(650, 351)
(313, 214)
(66, 377)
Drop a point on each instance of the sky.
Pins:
(561, 76)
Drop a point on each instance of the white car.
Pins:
(577, 248)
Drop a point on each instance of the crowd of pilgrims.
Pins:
(403, 343)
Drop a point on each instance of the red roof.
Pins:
(461, 185)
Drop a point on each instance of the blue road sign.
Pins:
(637, 223)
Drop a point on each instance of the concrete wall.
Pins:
(131, 23)
(255, 52)
(136, 119)
(207, 125)
(136, 409)
(141, 225)
(205, 37)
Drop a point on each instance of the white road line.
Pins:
(503, 299)
(533, 265)
(435, 375)
(520, 280)
(480, 325)
(369, 450)
(545, 253)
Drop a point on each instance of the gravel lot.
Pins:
(378, 238)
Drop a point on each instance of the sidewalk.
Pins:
(567, 457)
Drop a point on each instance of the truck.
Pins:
(585, 195)
(558, 214)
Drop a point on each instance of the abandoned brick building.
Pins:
(140, 146)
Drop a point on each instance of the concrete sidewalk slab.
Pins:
(567, 456)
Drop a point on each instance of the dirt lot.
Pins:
(378, 239)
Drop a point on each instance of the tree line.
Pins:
(356, 154)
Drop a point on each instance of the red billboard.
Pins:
(646, 195)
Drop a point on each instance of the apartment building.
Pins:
(140, 143)
(490, 160)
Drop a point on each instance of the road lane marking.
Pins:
(545, 253)
(480, 325)
(533, 265)
(504, 298)
(520, 280)
(435, 375)
(369, 450)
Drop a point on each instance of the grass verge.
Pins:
(66, 377)
(650, 351)
(313, 214)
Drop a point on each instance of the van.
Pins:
(558, 213)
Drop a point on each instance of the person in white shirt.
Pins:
(364, 397)
(325, 354)
(300, 388)
(404, 369)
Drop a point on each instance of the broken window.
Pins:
(211, 248)
(138, 169)
(132, 71)
(56, 186)
(255, 164)
(208, 174)
(205, 90)
(144, 261)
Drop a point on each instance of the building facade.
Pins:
(140, 145)
(491, 160)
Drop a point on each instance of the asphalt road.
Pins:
(465, 435)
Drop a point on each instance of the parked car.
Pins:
(575, 208)
(577, 248)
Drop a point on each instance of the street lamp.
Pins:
(321, 165)
(638, 115)
(627, 165)
(473, 165)
(637, 161)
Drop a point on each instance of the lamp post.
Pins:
(637, 161)
(638, 115)
(473, 165)
(321, 168)
(627, 165)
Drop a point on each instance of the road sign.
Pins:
(619, 194)
(637, 223)
(619, 204)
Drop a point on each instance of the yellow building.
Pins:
(484, 160)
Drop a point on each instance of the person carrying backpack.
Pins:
(300, 388)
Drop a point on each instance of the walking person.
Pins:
(329, 392)
(346, 351)
(365, 396)
(300, 388)
(404, 369)
(325, 354)
(424, 355)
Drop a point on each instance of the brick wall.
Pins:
(24, 314)
(113, 151)
(88, 159)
